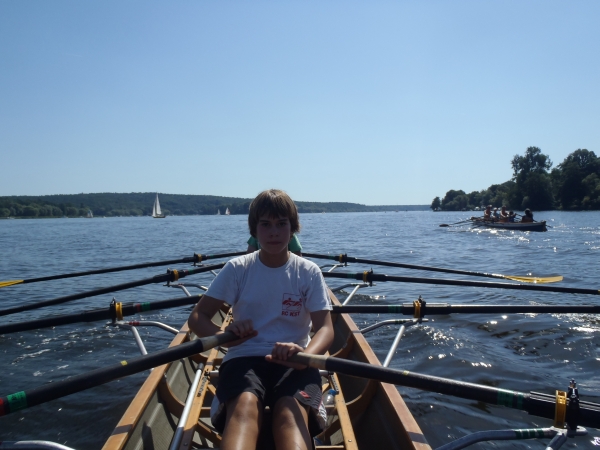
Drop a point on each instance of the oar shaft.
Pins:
(430, 309)
(169, 276)
(370, 277)
(109, 270)
(345, 258)
(190, 259)
(97, 314)
(537, 404)
(77, 383)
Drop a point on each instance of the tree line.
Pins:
(573, 185)
(140, 204)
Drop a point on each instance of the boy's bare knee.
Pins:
(288, 413)
(290, 425)
(244, 407)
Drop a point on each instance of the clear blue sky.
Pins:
(368, 102)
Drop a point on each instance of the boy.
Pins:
(275, 296)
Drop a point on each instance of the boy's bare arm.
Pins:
(200, 321)
(323, 337)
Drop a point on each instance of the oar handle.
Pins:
(77, 383)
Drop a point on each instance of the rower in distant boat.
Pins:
(528, 217)
(503, 214)
(487, 214)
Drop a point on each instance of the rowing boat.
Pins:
(171, 410)
(515, 226)
(366, 413)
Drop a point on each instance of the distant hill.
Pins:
(140, 204)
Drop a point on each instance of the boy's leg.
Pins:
(290, 425)
(244, 419)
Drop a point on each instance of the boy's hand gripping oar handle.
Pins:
(543, 405)
(170, 276)
(77, 383)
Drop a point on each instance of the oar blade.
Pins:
(444, 225)
(9, 283)
(535, 280)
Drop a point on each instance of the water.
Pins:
(520, 352)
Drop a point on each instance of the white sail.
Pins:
(218, 212)
(156, 212)
(227, 212)
(90, 215)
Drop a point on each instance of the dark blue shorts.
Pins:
(269, 382)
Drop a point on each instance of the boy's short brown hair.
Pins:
(273, 203)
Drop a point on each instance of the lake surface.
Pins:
(523, 352)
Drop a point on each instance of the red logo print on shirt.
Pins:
(291, 305)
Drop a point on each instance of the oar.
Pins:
(197, 258)
(534, 403)
(456, 223)
(524, 279)
(51, 391)
(116, 311)
(369, 277)
(431, 309)
(170, 276)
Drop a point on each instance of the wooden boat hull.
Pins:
(369, 414)
(516, 226)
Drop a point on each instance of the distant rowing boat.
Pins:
(517, 226)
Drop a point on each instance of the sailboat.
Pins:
(218, 212)
(156, 212)
(90, 215)
(227, 212)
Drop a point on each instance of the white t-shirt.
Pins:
(278, 300)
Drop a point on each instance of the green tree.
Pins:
(436, 203)
(30, 211)
(449, 203)
(591, 199)
(533, 183)
(568, 177)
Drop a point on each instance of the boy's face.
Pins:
(273, 234)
